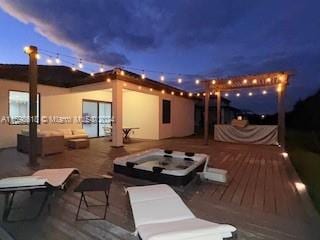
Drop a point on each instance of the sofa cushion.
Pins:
(25, 131)
(48, 133)
(79, 131)
(66, 131)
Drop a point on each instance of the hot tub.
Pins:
(163, 166)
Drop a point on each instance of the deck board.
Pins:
(260, 198)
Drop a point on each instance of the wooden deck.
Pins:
(260, 199)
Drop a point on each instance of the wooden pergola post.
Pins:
(218, 94)
(281, 115)
(117, 99)
(206, 113)
(32, 52)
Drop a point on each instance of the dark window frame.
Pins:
(23, 124)
(166, 111)
(98, 124)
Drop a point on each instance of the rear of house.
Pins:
(152, 109)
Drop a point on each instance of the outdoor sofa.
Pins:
(49, 141)
(160, 214)
(47, 180)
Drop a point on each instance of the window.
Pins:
(19, 107)
(166, 111)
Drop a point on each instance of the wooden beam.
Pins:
(32, 51)
(281, 115)
(206, 113)
(218, 94)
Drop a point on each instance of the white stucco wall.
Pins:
(142, 111)
(182, 117)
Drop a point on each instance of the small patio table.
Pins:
(126, 131)
(93, 185)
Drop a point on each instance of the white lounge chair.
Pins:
(47, 180)
(160, 214)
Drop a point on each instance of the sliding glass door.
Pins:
(96, 118)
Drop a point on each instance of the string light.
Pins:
(101, 69)
(281, 78)
(58, 61)
(198, 94)
(179, 80)
(49, 60)
(264, 92)
(210, 93)
(162, 78)
(245, 81)
(229, 82)
(108, 80)
(143, 76)
(27, 49)
(163, 92)
(268, 80)
(254, 81)
(172, 93)
(238, 94)
(80, 65)
(181, 93)
(197, 81)
(250, 94)
(213, 81)
(204, 94)
(190, 94)
(151, 89)
(226, 94)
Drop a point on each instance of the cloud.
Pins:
(93, 29)
(226, 37)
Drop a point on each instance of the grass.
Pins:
(306, 162)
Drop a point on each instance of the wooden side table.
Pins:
(78, 143)
(93, 185)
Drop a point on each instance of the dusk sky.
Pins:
(192, 38)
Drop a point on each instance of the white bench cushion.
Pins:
(160, 210)
(191, 229)
(151, 192)
(160, 214)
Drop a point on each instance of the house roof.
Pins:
(59, 76)
(63, 76)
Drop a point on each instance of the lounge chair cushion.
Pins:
(160, 214)
(27, 181)
(160, 210)
(151, 192)
(55, 177)
(191, 229)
